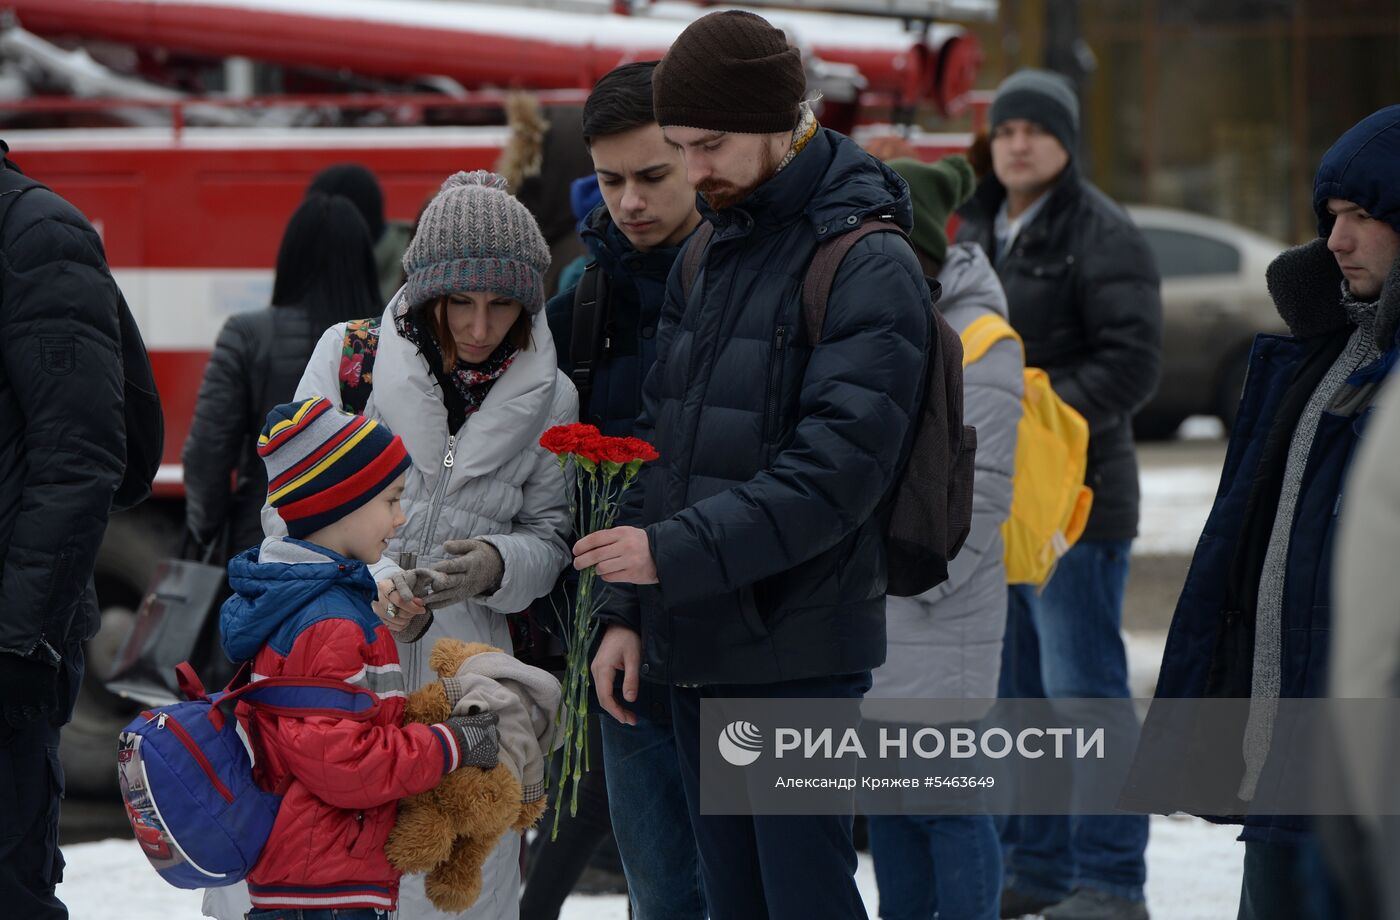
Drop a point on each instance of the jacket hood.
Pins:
(1362, 167)
(277, 580)
(1308, 289)
(832, 182)
(612, 250)
(968, 280)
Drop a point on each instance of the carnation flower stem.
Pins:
(594, 502)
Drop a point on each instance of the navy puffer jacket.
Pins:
(636, 286)
(764, 511)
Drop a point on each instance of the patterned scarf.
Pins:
(469, 382)
(806, 129)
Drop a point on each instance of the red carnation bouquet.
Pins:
(604, 468)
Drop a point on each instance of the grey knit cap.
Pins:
(475, 236)
(1041, 96)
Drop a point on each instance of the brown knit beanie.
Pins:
(730, 71)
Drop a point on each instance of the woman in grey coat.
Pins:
(466, 374)
(946, 643)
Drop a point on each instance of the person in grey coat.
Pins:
(946, 643)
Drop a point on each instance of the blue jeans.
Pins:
(320, 913)
(1065, 643)
(650, 820)
(770, 867)
(948, 866)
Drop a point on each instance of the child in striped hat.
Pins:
(305, 606)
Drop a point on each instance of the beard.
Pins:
(719, 194)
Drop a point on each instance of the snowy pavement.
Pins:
(1193, 873)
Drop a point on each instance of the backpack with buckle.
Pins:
(930, 505)
(186, 773)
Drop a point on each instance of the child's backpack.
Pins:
(1050, 502)
(186, 773)
(357, 364)
(931, 504)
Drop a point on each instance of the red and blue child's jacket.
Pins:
(300, 610)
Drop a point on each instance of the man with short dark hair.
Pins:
(762, 565)
(1084, 296)
(648, 211)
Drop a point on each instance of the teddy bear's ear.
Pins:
(448, 655)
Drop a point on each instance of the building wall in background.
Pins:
(1223, 107)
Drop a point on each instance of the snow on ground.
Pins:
(1175, 503)
(1193, 873)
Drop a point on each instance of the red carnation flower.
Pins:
(637, 449)
(616, 450)
(592, 447)
(565, 439)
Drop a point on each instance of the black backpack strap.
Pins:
(821, 272)
(695, 256)
(588, 341)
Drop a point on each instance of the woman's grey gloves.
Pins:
(472, 568)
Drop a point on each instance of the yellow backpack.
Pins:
(1050, 502)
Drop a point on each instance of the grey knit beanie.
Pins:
(475, 236)
(1041, 96)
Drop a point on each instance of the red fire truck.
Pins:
(190, 192)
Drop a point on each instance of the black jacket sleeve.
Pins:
(60, 361)
(220, 426)
(1121, 300)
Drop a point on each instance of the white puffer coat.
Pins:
(490, 480)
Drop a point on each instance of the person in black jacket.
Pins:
(761, 569)
(1084, 295)
(325, 275)
(62, 455)
(634, 236)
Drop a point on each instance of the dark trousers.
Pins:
(1285, 881)
(31, 788)
(769, 867)
(555, 865)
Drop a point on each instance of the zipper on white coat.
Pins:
(449, 458)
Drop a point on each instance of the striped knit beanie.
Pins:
(475, 236)
(323, 463)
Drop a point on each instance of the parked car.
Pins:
(1214, 301)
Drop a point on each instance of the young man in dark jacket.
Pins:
(648, 211)
(1084, 295)
(1255, 617)
(761, 568)
(62, 454)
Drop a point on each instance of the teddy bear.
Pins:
(448, 831)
